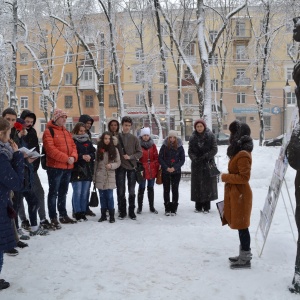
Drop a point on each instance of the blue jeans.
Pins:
(1, 259)
(150, 182)
(106, 199)
(58, 180)
(81, 193)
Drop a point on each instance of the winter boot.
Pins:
(140, 201)
(83, 216)
(78, 216)
(235, 258)
(168, 209)
(173, 208)
(131, 214)
(151, 200)
(295, 287)
(103, 215)
(244, 261)
(112, 216)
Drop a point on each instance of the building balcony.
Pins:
(242, 34)
(187, 82)
(242, 81)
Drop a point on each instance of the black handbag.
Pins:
(212, 169)
(94, 201)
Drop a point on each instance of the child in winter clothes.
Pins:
(82, 174)
(151, 165)
(171, 158)
(107, 161)
(11, 178)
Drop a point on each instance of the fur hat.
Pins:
(58, 113)
(200, 121)
(172, 133)
(145, 131)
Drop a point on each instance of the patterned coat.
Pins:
(238, 194)
(59, 148)
(106, 179)
(11, 178)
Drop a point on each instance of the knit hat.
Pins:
(172, 133)
(145, 131)
(58, 113)
(200, 121)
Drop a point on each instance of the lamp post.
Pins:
(286, 89)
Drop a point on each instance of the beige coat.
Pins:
(105, 179)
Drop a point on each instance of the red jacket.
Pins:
(59, 148)
(150, 162)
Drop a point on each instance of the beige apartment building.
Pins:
(239, 84)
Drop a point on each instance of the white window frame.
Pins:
(212, 35)
(188, 98)
(267, 121)
(87, 74)
(139, 76)
(24, 58)
(138, 53)
(240, 52)
(67, 99)
(289, 73)
(139, 100)
(43, 125)
(240, 28)
(89, 99)
(69, 57)
(68, 78)
(23, 102)
(112, 102)
(291, 99)
(162, 100)
(241, 98)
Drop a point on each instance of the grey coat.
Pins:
(106, 179)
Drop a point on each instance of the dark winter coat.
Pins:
(31, 138)
(149, 158)
(83, 171)
(11, 178)
(202, 149)
(84, 119)
(171, 157)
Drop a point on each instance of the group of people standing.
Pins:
(72, 158)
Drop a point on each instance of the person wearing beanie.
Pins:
(202, 150)
(171, 158)
(151, 165)
(61, 153)
(237, 213)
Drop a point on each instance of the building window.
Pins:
(289, 73)
(89, 101)
(212, 35)
(291, 49)
(240, 73)
(139, 100)
(138, 76)
(291, 98)
(23, 80)
(267, 97)
(162, 100)
(241, 98)
(189, 49)
(214, 83)
(267, 120)
(69, 126)
(240, 28)
(241, 119)
(164, 29)
(111, 77)
(240, 52)
(24, 102)
(24, 58)
(188, 98)
(87, 74)
(187, 74)
(112, 100)
(43, 58)
(43, 103)
(43, 125)
(138, 53)
(68, 101)
(161, 76)
(69, 57)
(68, 78)
(213, 60)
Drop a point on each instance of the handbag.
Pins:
(212, 169)
(159, 176)
(94, 201)
(293, 149)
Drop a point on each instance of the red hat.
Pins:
(58, 113)
(200, 121)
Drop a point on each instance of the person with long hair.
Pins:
(11, 179)
(107, 161)
(171, 158)
(238, 193)
(151, 165)
(82, 173)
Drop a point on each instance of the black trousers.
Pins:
(245, 239)
(297, 217)
(171, 182)
(202, 205)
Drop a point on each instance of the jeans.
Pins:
(81, 193)
(106, 199)
(149, 181)
(121, 189)
(245, 240)
(58, 180)
(1, 259)
(171, 181)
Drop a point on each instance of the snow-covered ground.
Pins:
(159, 257)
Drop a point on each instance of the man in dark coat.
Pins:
(202, 149)
(32, 141)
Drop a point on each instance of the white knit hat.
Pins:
(172, 133)
(145, 131)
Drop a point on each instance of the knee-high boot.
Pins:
(140, 200)
(151, 199)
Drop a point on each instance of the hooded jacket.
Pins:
(84, 119)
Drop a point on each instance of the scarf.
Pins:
(81, 138)
(7, 150)
(146, 144)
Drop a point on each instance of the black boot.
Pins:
(173, 208)
(295, 287)
(167, 209)
(103, 215)
(151, 200)
(112, 216)
(140, 200)
(78, 216)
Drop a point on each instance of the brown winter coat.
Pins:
(238, 194)
(106, 179)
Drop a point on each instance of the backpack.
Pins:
(44, 157)
(293, 149)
